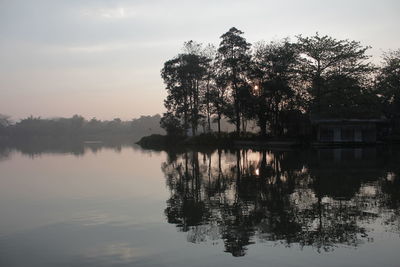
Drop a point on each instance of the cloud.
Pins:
(109, 13)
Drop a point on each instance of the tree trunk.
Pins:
(237, 117)
(208, 122)
(219, 124)
(194, 130)
(237, 124)
(237, 108)
(208, 106)
(244, 124)
(263, 126)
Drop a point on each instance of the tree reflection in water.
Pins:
(323, 198)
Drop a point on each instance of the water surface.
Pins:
(115, 205)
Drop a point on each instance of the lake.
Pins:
(75, 204)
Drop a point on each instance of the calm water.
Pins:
(95, 205)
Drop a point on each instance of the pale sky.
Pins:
(102, 58)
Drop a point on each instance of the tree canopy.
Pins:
(279, 85)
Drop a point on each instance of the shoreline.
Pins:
(254, 142)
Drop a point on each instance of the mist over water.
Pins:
(118, 205)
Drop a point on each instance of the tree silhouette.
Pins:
(234, 61)
(324, 58)
(282, 197)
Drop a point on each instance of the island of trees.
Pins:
(280, 86)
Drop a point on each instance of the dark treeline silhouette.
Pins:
(322, 199)
(280, 85)
(78, 127)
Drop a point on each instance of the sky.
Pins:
(102, 58)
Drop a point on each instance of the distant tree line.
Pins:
(280, 85)
(77, 126)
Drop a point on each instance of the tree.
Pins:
(209, 52)
(233, 61)
(171, 124)
(273, 73)
(219, 100)
(344, 97)
(388, 85)
(324, 57)
(4, 120)
(4, 123)
(182, 76)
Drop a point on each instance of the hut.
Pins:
(348, 130)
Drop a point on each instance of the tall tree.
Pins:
(345, 97)
(182, 76)
(388, 86)
(219, 100)
(234, 60)
(209, 52)
(324, 57)
(274, 73)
